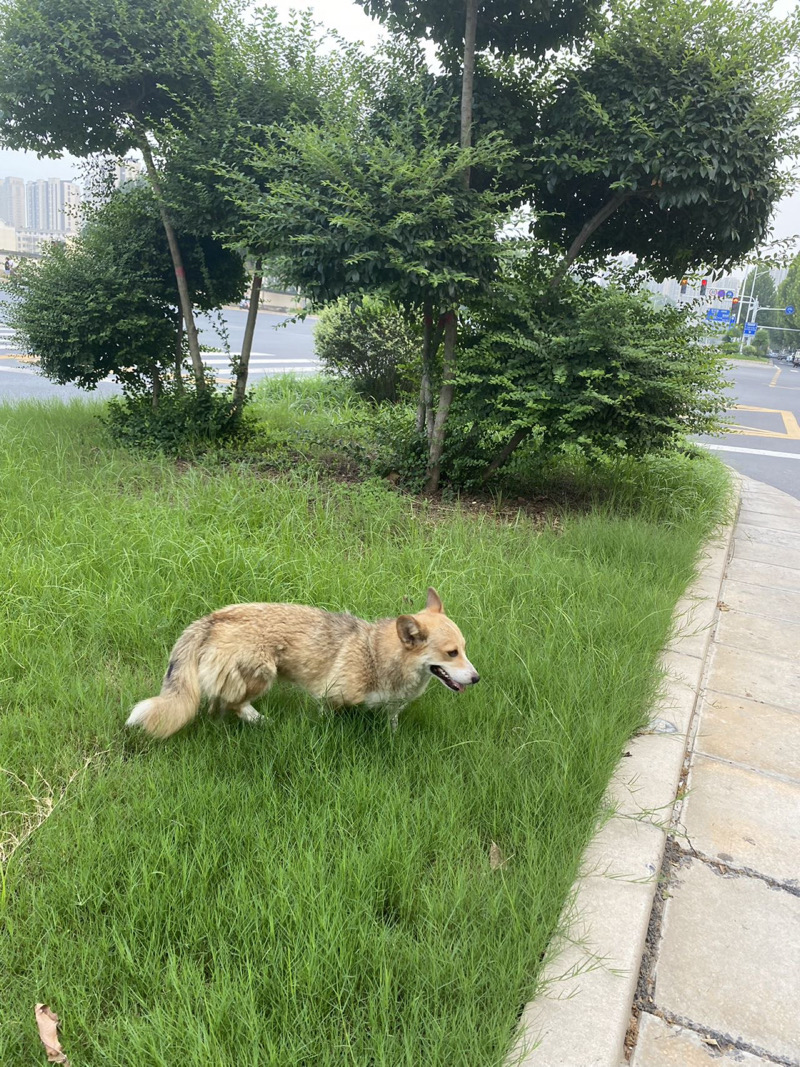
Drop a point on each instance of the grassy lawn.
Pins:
(316, 891)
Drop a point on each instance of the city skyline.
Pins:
(41, 205)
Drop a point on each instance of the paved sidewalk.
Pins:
(721, 979)
(680, 946)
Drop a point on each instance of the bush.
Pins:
(186, 421)
(368, 341)
(107, 303)
(597, 369)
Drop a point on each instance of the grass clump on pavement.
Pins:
(316, 890)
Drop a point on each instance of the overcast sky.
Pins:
(349, 19)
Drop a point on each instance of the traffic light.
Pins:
(684, 283)
(703, 287)
(735, 306)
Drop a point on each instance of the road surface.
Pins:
(764, 438)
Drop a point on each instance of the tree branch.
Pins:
(605, 212)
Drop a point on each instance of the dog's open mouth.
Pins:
(443, 676)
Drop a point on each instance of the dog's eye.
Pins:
(452, 652)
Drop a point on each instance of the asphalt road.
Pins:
(764, 437)
(279, 345)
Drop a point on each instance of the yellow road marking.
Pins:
(775, 377)
(791, 427)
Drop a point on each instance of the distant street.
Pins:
(764, 438)
(277, 349)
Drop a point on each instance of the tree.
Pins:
(353, 210)
(105, 76)
(789, 296)
(665, 140)
(759, 286)
(524, 27)
(106, 303)
(265, 73)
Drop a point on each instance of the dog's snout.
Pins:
(475, 678)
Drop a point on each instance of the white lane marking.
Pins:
(751, 451)
(258, 362)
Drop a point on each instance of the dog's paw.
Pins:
(249, 714)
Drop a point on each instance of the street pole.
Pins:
(749, 306)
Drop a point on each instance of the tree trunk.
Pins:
(177, 263)
(240, 388)
(156, 388)
(179, 354)
(425, 381)
(436, 429)
(516, 439)
(445, 400)
(597, 220)
(468, 78)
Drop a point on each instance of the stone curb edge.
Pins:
(581, 1016)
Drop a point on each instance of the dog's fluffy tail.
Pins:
(179, 699)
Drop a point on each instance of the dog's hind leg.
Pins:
(254, 688)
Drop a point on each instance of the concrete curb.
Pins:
(581, 1017)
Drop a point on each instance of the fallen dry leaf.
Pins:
(496, 858)
(723, 606)
(47, 1021)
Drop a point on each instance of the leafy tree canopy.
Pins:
(106, 303)
(75, 75)
(511, 27)
(354, 209)
(666, 140)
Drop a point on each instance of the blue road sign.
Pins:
(789, 310)
(729, 294)
(750, 329)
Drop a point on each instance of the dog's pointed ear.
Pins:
(410, 632)
(434, 602)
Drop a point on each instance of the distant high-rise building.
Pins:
(127, 171)
(36, 193)
(12, 202)
(53, 206)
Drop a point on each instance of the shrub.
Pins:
(370, 342)
(597, 369)
(186, 421)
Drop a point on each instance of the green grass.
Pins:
(316, 891)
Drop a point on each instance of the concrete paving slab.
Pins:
(661, 1044)
(763, 535)
(693, 621)
(784, 519)
(765, 552)
(756, 676)
(646, 779)
(758, 633)
(682, 668)
(672, 711)
(581, 1018)
(743, 817)
(728, 959)
(776, 603)
(768, 574)
(753, 734)
(766, 499)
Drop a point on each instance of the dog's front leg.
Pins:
(394, 716)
